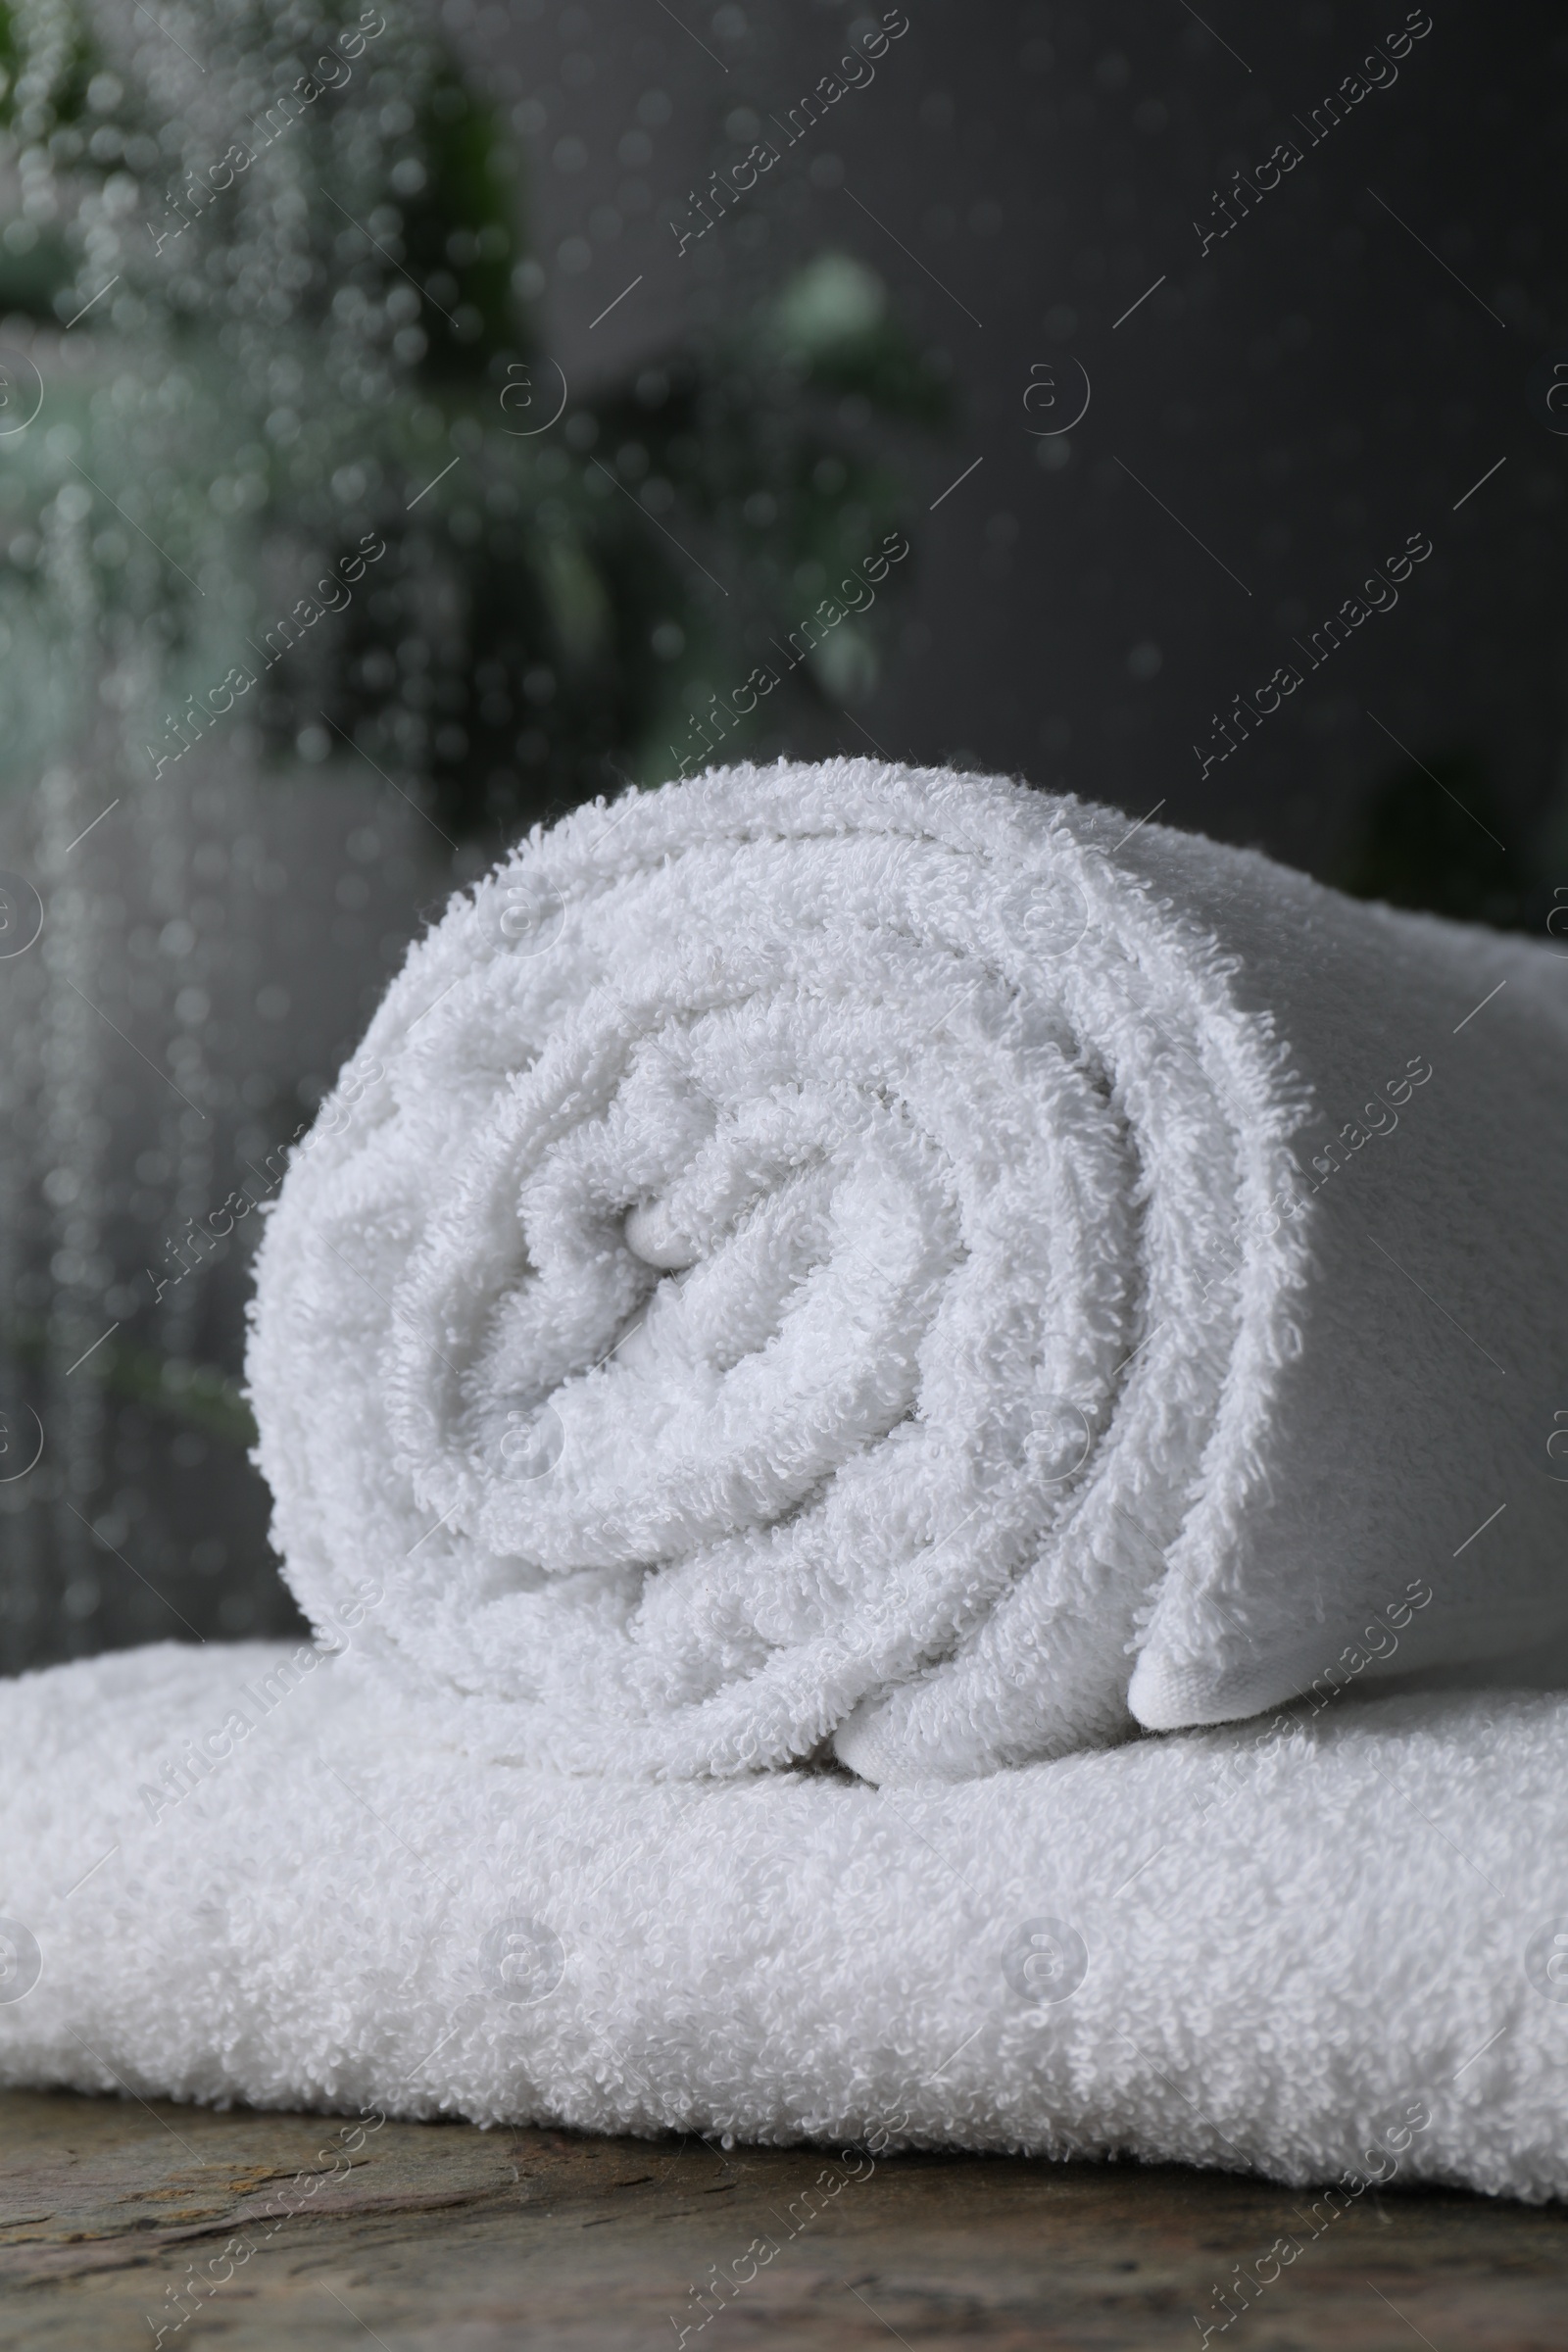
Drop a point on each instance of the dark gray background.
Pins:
(1316, 388)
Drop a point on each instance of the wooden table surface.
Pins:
(306, 2231)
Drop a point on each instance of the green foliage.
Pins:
(574, 634)
(323, 338)
(462, 235)
(191, 1396)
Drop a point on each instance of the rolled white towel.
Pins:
(864, 1256)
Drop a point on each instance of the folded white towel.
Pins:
(1335, 1944)
(866, 1255)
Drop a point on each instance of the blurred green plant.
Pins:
(284, 244)
(191, 1394)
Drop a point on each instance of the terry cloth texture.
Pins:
(1321, 1946)
(869, 1259)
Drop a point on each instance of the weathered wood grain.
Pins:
(440, 2238)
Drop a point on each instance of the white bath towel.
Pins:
(1334, 1948)
(864, 1259)
(849, 1272)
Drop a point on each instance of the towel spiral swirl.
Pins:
(768, 1279)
